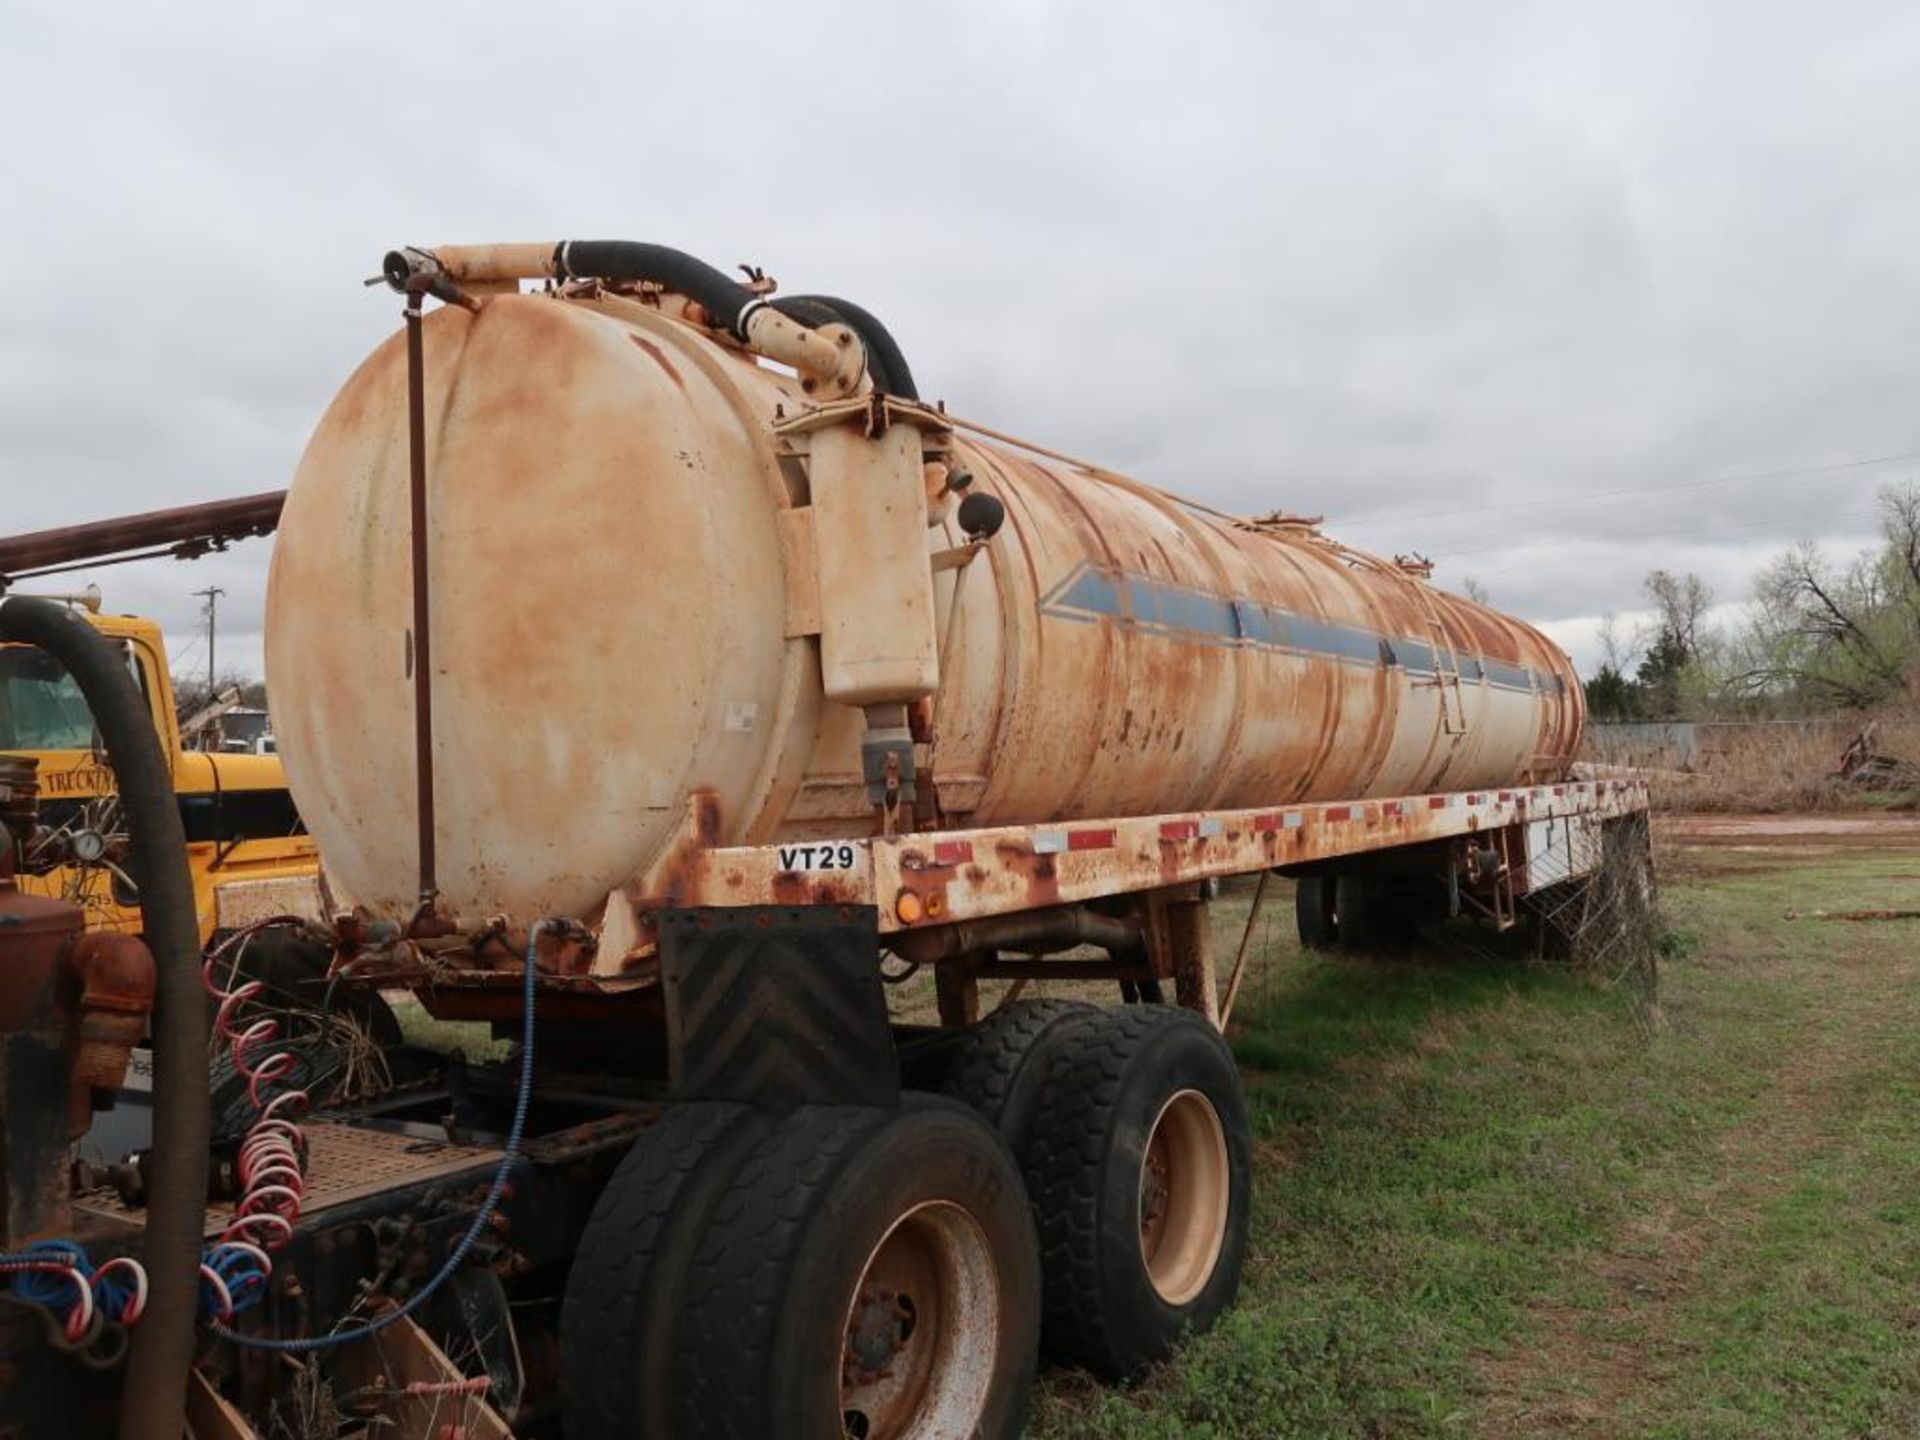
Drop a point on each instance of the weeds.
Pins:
(1491, 1202)
(1772, 768)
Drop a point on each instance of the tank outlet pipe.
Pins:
(832, 357)
(154, 1399)
(886, 363)
(1033, 932)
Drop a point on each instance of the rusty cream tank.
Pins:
(630, 585)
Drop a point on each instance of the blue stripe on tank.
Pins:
(1179, 612)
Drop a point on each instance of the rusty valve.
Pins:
(116, 977)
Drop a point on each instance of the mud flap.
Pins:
(777, 1006)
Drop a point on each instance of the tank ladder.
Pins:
(1446, 666)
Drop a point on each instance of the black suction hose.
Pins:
(153, 1402)
(885, 361)
(728, 301)
(723, 297)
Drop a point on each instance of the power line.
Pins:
(1635, 536)
(1379, 517)
(1508, 571)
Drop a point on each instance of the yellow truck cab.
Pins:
(249, 854)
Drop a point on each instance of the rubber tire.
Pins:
(1105, 1088)
(1314, 912)
(1001, 1066)
(761, 1335)
(623, 1297)
(1371, 917)
(316, 1069)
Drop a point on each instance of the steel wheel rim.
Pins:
(922, 1329)
(1185, 1191)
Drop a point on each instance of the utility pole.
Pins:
(212, 594)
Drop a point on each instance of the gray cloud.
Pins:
(1375, 262)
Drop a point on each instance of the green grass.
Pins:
(1494, 1200)
(473, 1038)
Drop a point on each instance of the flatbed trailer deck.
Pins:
(994, 902)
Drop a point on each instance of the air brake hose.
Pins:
(154, 1398)
(482, 1218)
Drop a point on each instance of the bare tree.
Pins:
(1613, 650)
(1844, 634)
(1682, 602)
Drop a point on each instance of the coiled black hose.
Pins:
(153, 1402)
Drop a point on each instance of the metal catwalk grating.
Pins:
(344, 1163)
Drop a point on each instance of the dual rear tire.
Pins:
(891, 1274)
(1348, 911)
(841, 1271)
(1131, 1132)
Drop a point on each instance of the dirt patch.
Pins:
(1809, 831)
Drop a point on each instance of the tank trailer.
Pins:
(668, 684)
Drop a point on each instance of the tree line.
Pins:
(1818, 635)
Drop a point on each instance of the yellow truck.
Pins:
(248, 852)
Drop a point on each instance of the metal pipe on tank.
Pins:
(832, 355)
(420, 647)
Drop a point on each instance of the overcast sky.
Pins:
(1452, 275)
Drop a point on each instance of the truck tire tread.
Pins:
(995, 1058)
(616, 1301)
(741, 1269)
(1069, 1181)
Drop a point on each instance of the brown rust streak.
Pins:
(1037, 872)
(661, 356)
(680, 875)
(793, 887)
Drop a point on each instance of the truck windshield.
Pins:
(41, 707)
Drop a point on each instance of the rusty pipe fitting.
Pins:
(35, 932)
(831, 357)
(117, 980)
